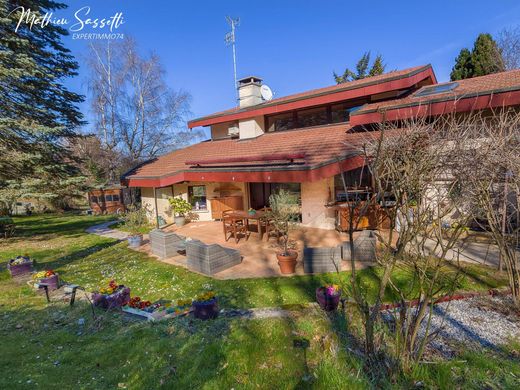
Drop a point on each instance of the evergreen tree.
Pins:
(463, 67)
(38, 114)
(486, 57)
(362, 70)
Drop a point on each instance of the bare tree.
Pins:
(509, 45)
(493, 176)
(136, 112)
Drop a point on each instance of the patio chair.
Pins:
(233, 226)
(321, 260)
(210, 258)
(166, 244)
(267, 226)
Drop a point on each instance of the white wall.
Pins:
(163, 205)
(314, 197)
(250, 128)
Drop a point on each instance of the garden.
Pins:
(304, 347)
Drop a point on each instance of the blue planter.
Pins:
(135, 241)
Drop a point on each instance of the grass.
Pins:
(43, 344)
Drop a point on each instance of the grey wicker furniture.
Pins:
(166, 244)
(364, 247)
(210, 258)
(320, 260)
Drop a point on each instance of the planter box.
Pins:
(327, 302)
(206, 310)
(20, 269)
(155, 315)
(118, 299)
(53, 282)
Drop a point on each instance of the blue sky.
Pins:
(293, 45)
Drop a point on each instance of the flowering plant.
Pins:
(331, 289)
(43, 274)
(20, 260)
(184, 302)
(137, 303)
(205, 297)
(112, 287)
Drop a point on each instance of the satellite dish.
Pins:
(266, 92)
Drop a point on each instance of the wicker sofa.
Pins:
(210, 258)
(166, 244)
(321, 260)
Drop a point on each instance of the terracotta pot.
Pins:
(327, 302)
(287, 262)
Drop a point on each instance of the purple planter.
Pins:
(120, 298)
(205, 310)
(20, 269)
(53, 282)
(327, 302)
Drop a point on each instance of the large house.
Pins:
(302, 142)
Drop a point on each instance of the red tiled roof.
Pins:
(320, 145)
(492, 84)
(424, 72)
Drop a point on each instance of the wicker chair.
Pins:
(234, 227)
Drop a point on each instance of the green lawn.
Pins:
(43, 344)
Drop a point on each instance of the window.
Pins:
(197, 197)
(108, 198)
(281, 122)
(312, 117)
(115, 198)
(341, 112)
(94, 199)
(435, 89)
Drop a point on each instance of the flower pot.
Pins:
(205, 310)
(135, 241)
(180, 220)
(20, 269)
(53, 281)
(287, 262)
(117, 299)
(327, 302)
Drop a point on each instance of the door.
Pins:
(259, 195)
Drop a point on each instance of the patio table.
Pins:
(242, 214)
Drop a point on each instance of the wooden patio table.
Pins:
(242, 214)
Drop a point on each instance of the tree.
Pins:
(38, 114)
(137, 113)
(463, 67)
(486, 58)
(362, 69)
(509, 45)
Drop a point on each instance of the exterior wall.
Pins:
(250, 128)
(163, 205)
(181, 190)
(220, 130)
(314, 197)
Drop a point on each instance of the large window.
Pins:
(197, 197)
(312, 117)
(281, 122)
(358, 182)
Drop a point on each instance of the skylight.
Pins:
(435, 89)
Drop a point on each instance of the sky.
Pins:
(293, 45)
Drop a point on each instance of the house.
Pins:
(303, 143)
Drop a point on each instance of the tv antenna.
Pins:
(230, 40)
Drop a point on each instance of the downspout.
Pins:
(156, 210)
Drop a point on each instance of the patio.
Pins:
(258, 256)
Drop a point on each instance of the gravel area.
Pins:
(477, 322)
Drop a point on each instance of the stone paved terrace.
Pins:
(259, 256)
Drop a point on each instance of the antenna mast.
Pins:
(230, 40)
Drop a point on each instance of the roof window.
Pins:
(435, 89)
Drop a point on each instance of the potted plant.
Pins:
(328, 297)
(112, 296)
(205, 306)
(135, 220)
(180, 208)
(20, 265)
(283, 217)
(48, 277)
